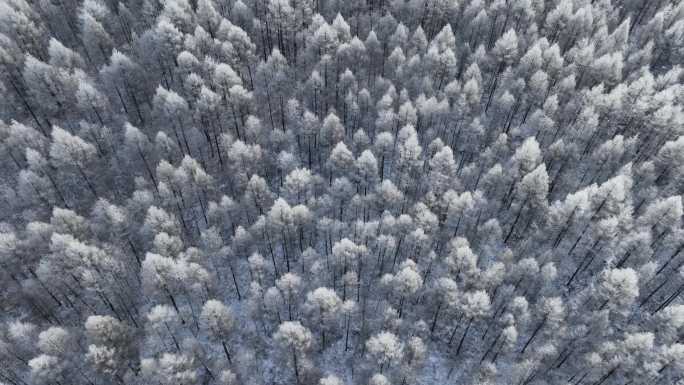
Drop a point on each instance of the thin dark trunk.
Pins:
(85, 177)
(465, 334)
(225, 350)
(237, 288)
(434, 319)
(294, 359)
(534, 334)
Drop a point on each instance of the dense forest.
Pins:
(332, 192)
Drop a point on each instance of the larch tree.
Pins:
(218, 321)
(323, 304)
(295, 339)
(385, 349)
(70, 151)
(341, 192)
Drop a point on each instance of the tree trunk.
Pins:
(225, 350)
(534, 334)
(434, 319)
(296, 367)
(465, 334)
